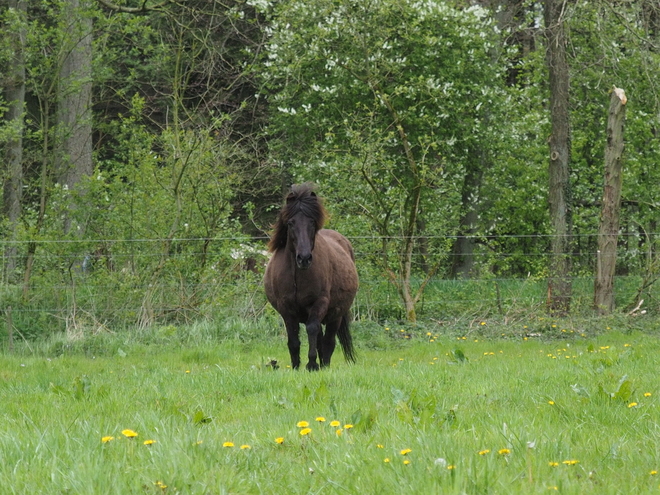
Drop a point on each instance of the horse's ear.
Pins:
(290, 198)
(313, 194)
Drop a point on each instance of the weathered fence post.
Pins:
(608, 231)
(10, 330)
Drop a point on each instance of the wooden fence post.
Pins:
(608, 231)
(10, 330)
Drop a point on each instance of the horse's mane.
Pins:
(303, 199)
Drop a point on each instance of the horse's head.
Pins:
(302, 235)
(299, 220)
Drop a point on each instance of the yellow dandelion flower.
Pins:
(348, 427)
(320, 419)
(653, 473)
(160, 485)
(570, 462)
(647, 394)
(553, 464)
(484, 452)
(129, 433)
(302, 424)
(149, 442)
(504, 451)
(279, 440)
(305, 431)
(387, 459)
(228, 444)
(406, 462)
(245, 447)
(632, 404)
(551, 402)
(380, 446)
(451, 466)
(334, 423)
(405, 451)
(107, 439)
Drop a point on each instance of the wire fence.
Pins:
(107, 284)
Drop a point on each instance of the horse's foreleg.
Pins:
(293, 340)
(314, 337)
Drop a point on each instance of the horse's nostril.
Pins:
(303, 261)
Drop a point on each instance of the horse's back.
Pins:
(343, 242)
(343, 271)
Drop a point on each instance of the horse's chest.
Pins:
(299, 294)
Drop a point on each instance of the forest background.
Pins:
(460, 145)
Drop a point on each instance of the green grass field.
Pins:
(426, 414)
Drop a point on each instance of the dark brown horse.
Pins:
(311, 278)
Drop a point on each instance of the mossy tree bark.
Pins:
(559, 191)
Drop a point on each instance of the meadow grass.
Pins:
(417, 414)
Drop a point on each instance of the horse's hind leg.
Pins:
(329, 342)
(293, 341)
(314, 333)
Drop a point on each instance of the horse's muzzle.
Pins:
(304, 261)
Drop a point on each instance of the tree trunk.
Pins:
(463, 250)
(608, 232)
(74, 115)
(559, 192)
(15, 94)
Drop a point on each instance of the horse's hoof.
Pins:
(312, 367)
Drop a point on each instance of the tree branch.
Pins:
(136, 10)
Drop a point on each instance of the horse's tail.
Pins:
(345, 339)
